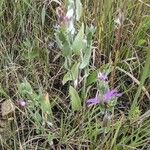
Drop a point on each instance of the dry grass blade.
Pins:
(135, 80)
(143, 117)
(144, 3)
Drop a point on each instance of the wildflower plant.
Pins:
(36, 104)
(104, 94)
(76, 46)
(95, 66)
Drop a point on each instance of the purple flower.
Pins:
(102, 76)
(66, 18)
(93, 101)
(22, 103)
(110, 94)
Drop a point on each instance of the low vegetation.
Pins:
(74, 75)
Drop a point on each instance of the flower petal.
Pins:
(22, 103)
(92, 101)
(102, 76)
(109, 95)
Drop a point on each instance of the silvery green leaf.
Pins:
(78, 9)
(64, 41)
(75, 71)
(67, 77)
(79, 42)
(75, 99)
(86, 58)
(73, 74)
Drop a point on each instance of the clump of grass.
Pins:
(32, 71)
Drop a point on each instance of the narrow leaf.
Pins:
(78, 9)
(71, 75)
(79, 42)
(75, 71)
(46, 103)
(43, 15)
(86, 59)
(67, 77)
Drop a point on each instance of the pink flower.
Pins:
(108, 96)
(66, 18)
(102, 76)
(92, 101)
(22, 103)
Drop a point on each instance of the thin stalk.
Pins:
(144, 76)
(116, 48)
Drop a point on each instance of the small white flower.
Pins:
(22, 103)
(69, 14)
(71, 27)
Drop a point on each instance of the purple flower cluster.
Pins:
(65, 18)
(108, 96)
(93, 101)
(62, 17)
(22, 103)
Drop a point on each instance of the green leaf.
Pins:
(87, 52)
(71, 75)
(75, 99)
(78, 9)
(134, 113)
(86, 58)
(67, 77)
(79, 42)
(37, 117)
(31, 55)
(25, 88)
(45, 104)
(92, 78)
(141, 42)
(144, 76)
(2, 92)
(75, 71)
(89, 33)
(64, 42)
(66, 49)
